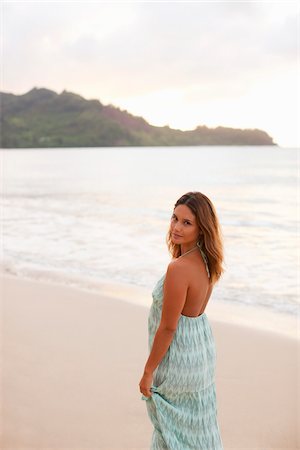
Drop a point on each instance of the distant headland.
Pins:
(43, 118)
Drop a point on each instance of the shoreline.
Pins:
(252, 316)
(72, 361)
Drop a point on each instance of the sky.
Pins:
(182, 64)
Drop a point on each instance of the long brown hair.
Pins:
(210, 239)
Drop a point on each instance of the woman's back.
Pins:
(200, 288)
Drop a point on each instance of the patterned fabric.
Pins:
(182, 407)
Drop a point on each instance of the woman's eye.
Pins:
(175, 218)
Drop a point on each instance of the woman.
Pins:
(181, 402)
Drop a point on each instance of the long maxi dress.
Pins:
(183, 406)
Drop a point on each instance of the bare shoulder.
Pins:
(189, 270)
(177, 267)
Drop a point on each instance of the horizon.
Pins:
(225, 64)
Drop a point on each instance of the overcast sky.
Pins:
(180, 64)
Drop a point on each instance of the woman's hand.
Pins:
(145, 384)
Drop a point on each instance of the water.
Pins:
(87, 216)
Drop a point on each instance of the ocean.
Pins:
(86, 216)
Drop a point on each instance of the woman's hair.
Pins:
(211, 238)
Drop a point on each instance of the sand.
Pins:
(72, 361)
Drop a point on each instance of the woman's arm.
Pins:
(161, 343)
(175, 290)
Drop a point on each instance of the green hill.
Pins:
(43, 118)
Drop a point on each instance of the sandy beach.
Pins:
(72, 361)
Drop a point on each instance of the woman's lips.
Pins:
(176, 235)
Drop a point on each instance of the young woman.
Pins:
(178, 381)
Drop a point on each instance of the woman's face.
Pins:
(184, 228)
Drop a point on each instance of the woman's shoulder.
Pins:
(178, 265)
(188, 267)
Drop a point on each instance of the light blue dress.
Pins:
(183, 407)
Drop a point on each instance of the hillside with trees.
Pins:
(43, 118)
